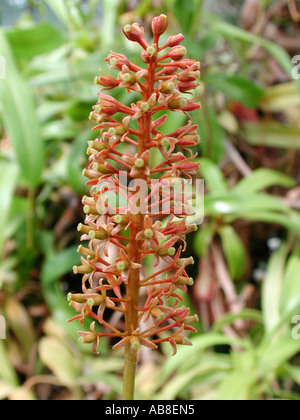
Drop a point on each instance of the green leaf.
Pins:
(290, 220)
(59, 359)
(230, 318)
(68, 12)
(279, 351)
(203, 239)
(110, 9)
(236, 87)
(8, 182)
(254, 207)
(261, 179)
(290, 295)
(293, 371)
(213, 176)
(77, 161)
(7, 372)
(50, 109)
(24, 41)
(236, 387)
(272, 288)
(212, 134)
(188, 14)
(173, 122)
(200, 343)
(238, 204)
(103, 369)
(272, 134)
(53, 269)
(205, 366)
(230, 31)
(20, 120)
(280, 97)
(21, 324)
(234, 251)
(5, 390)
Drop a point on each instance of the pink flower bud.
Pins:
(185, 87)
(135, 33)
(159, 25)
(118, 60)
(174, 40)
(189, 64)
(191, 107)
(177, 53)
(107, 81)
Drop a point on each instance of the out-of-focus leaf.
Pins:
(230, 31)
(7, 372)
(55, 68)
(204, 367)
(110, 8)
(278, 98)
(7, 271)
(272, 134)
(188, 14)
(236, 87)
(22, 394)
(68, 12)
(290, 295)
(214, 179)
(238, 204)
(59, 359)
(228, 121)
(230, 318)
(234, 251)
(24, 41)
(53, 269)
(293, 371)
(203, 239)
(212, 134)
(279, 351)
(49, 109)
(21, 324)
(103, 371)
(289, 220)
(59, 264)
(235, 387)
(8, 180)
(20, 120)
(198, 47)
(77, 160)
(261, 179)
(200, 343)
(60, 130)
(272, 288)
(173, 122)
(5, 390)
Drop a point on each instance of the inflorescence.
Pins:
(136, 237)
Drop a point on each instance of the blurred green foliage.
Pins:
(247, 287)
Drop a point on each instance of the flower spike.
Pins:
(129, 191)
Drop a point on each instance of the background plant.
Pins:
(247, 249)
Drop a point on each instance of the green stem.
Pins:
(134, 284)
(131, 315)
(130, 363)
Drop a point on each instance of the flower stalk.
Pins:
(140, 230)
